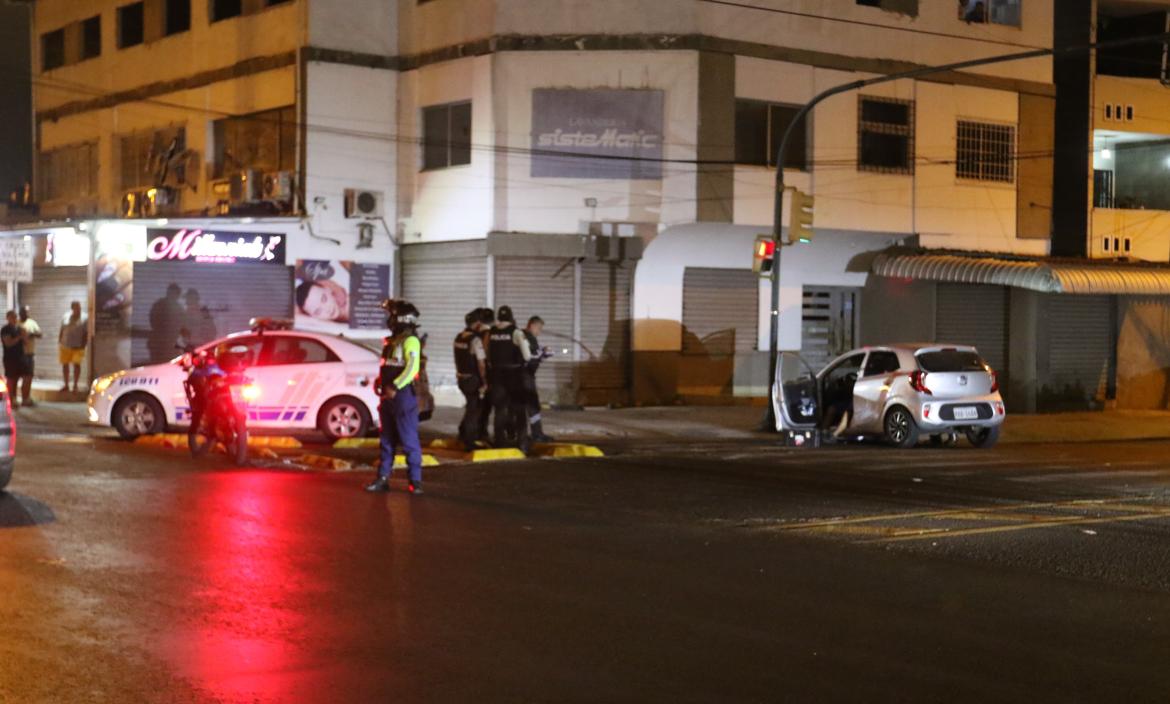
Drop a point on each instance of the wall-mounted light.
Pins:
(1106, 153)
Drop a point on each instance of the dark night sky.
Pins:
(15, 120)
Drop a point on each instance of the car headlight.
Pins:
(102, 383)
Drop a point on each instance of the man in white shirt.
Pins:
(32, 333)
(72, 341)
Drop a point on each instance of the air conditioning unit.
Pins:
(360, 203)
(246, 186)
(278, 185)
(148, 202)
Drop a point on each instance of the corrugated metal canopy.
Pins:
(1046, 276)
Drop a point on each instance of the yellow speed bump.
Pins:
(322, 462)
(427, 461)
(497, 454)
(179, 440)
(355, 443)
(286, 442)
(567, 449)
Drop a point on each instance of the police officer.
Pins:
(487, 320)
(471, 375)
(537, 354)
(398, 408)
(507, 355)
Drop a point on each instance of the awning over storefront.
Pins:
(1044, 275)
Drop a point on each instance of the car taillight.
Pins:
(3, 387)
(918, 382)
(994, 380)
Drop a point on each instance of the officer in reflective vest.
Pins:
(398, 408)
(507, 355)
(537, 354)
(471, 375)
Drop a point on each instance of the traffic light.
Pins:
(800, 218)
(762, 254)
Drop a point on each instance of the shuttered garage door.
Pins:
(49, 295)
(605, 326)
(445, 284)
(543, 286)
(720, 311)
(1079, 338)
(968, 314)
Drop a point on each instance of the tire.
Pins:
(5, 476)
(343, 417)
(899, 428)
(138, 414)
(983, 438)
(240, 449)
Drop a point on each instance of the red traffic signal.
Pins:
(762, 254)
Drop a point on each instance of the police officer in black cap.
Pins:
(507, 354)
(487, 321)
(471, 375)
(537, 354)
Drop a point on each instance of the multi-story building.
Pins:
(606, 165)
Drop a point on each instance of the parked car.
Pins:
(895, 392)
(7, 436)
(305, 381)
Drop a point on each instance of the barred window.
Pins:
(885, 135)
(985, 152)
(68, 172)
(142, 155)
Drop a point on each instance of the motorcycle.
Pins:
(219, 402)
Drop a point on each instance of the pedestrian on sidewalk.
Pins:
(507, 354)
(537, 354)
(398, 408)
(71, 341)
(471, 376)
(32, 333)
(12, 337)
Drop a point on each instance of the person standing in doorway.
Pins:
(398, 408)
(71, 342)
(32, 333)
(471, 375)
(537, 354)
(12, 337)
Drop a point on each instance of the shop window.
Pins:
(226, 9)
(985, 152)
(265, 141)
(446, 136)
(760, 126)
(91, 37)
(68, 172)
(145, 157)
(295, 350)
(176, 17)
(885, 135)
(1006, 12)
(131, 25)
(53, 50)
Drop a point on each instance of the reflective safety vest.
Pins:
(465, 362)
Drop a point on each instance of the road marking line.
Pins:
(1075, 521)
(1074, 476)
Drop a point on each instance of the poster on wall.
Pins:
(340, 296)
(597, 133)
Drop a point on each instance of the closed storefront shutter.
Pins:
(543, 286)
(970, 314)
(720, 311)
(1080, 333)
(49, 295)
(445, 281)
(605, 327)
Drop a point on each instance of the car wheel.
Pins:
(138, 414)
(900, 428)
(983, 438)
(5, 476)
(343, 417)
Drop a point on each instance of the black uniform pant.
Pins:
(508, 403)
(472, 427)
(531, 396)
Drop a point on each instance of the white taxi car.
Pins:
(306, 381)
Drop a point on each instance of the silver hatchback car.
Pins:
(897, 392)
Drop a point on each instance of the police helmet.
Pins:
(231, 357)
(504, 315)
(404, 315)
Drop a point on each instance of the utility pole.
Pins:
(778, 238)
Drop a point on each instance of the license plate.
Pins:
(966, 413)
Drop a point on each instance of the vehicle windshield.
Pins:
(951, 361)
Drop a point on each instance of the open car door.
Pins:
(795, 394)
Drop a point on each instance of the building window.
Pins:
(1005, 12)
(68, 172)
(985, 152)
(760, 126)
(53, 50)
(226, 9)
(273, 3)
(131, 25)
(91, 37)
(176, 17)
(446, 136)
(264, 141)
(885, 135)
(144, 158)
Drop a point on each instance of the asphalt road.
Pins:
(705, 572)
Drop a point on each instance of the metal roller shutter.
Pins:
(444, 286)
(49, 295)
(1080, 332)
(969, 314)
(605, 325)
(543, 286)
(232, 293)
(720, 311)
